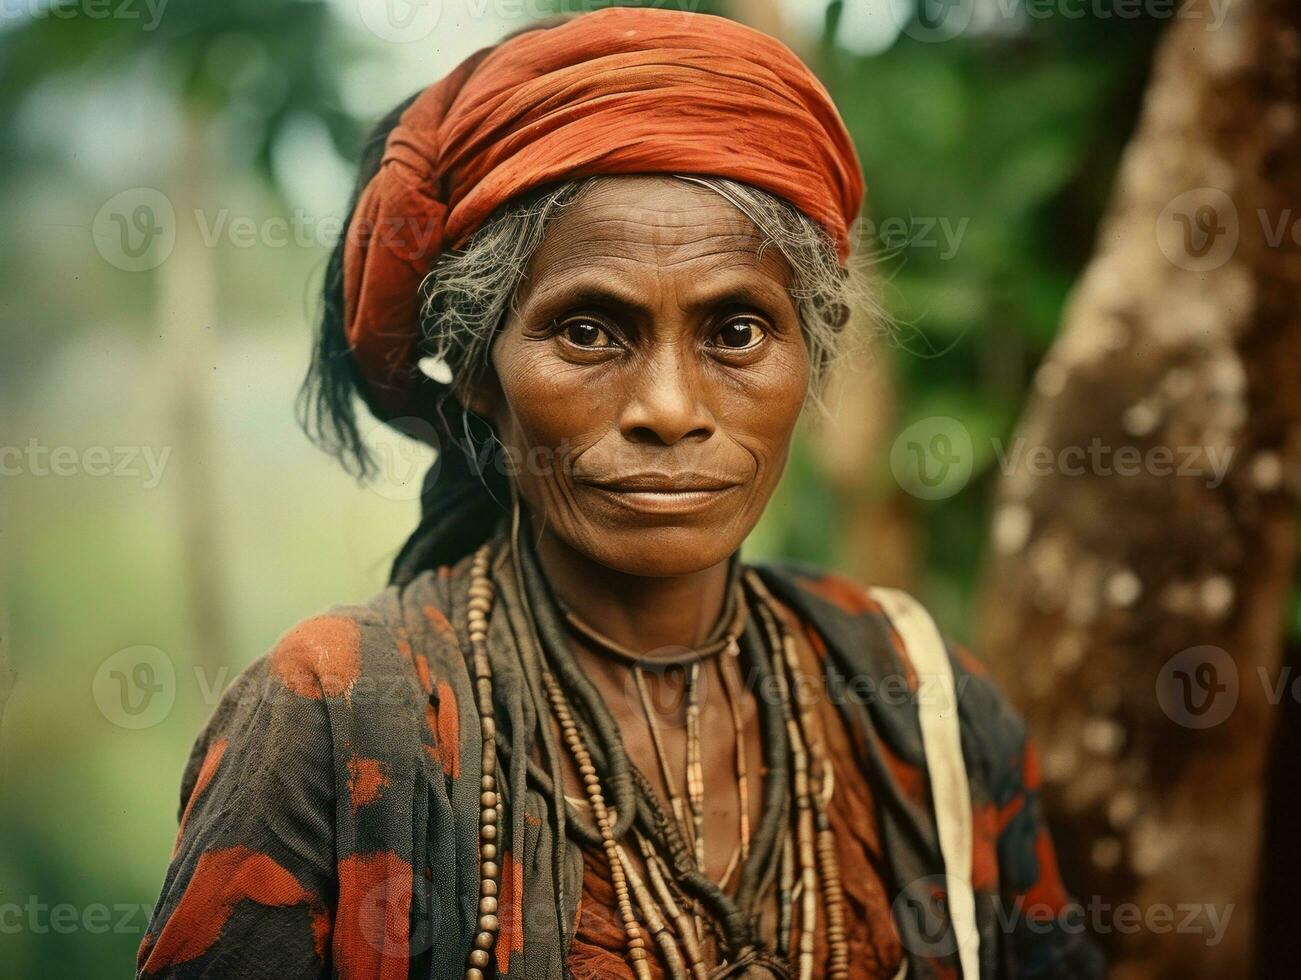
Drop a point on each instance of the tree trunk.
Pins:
(187, 314)
(1141, 561)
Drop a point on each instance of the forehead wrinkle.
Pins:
(732, 249)
(622, 241)
(604, 233)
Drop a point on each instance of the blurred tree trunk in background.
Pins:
(187, 319)
(1138, 619)
(878, 539)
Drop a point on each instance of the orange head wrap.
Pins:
(616, 91)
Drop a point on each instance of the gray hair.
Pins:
(468, 292)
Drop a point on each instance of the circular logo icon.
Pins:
(1198, 230)
(400, 21)
(661, 690)
(925, 918)
(135, 231)
(383, 915)
(932, 458)
(931, 21)
(406, 454)
(135, 687)
(1198, 687)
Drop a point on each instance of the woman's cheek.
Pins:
(556, 410)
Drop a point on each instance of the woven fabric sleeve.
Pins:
(252, 885)
(305, 801)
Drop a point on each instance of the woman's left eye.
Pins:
(741, 333)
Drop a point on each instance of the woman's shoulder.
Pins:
(366, 667)
(345, 691)
(355, 652)
(890, 646)
(838, 602)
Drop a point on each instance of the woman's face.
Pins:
(648, 381)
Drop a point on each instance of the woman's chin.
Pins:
(664, 552)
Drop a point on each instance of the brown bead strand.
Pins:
(587, 771)
(818, 772)
(807, 855)
(687, 927)
(786, 885)
(833, 892)
(695, 764)
(659, 929)
(787, 867)
(804, 826)
(732, 688)
(482, 594)
(834, 900)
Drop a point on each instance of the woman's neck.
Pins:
(640, 612)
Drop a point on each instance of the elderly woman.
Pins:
(601, 267)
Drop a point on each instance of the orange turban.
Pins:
(616, 91)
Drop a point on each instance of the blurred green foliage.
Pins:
(1009, 133)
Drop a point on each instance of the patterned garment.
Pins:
(329, 810)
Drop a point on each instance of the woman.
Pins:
(601, 267)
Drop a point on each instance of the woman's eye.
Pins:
(739, 334)
(586, 333)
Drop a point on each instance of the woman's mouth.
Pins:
(659, 493)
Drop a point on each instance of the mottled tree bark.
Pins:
(187, 313)
(1135, 599)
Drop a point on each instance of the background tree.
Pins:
(1006, 127)
(1140, 618)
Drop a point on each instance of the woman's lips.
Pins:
(657, 495)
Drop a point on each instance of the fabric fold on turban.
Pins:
(616, 91)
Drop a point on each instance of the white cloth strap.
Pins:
(937, 713)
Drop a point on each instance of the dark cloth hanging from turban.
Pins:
(616, 91)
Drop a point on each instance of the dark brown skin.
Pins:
(651, 341)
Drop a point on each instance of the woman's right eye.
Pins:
(586, 332)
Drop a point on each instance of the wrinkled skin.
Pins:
(651, 336)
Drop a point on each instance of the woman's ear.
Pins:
(484, 397)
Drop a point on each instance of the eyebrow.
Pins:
(608, 294)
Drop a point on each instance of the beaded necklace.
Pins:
(671, 900)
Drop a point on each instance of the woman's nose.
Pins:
(667, 404)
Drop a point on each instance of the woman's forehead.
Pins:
(664, 222)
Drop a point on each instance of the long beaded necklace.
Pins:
(482, 593)
(691, 814)
(674, 898)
